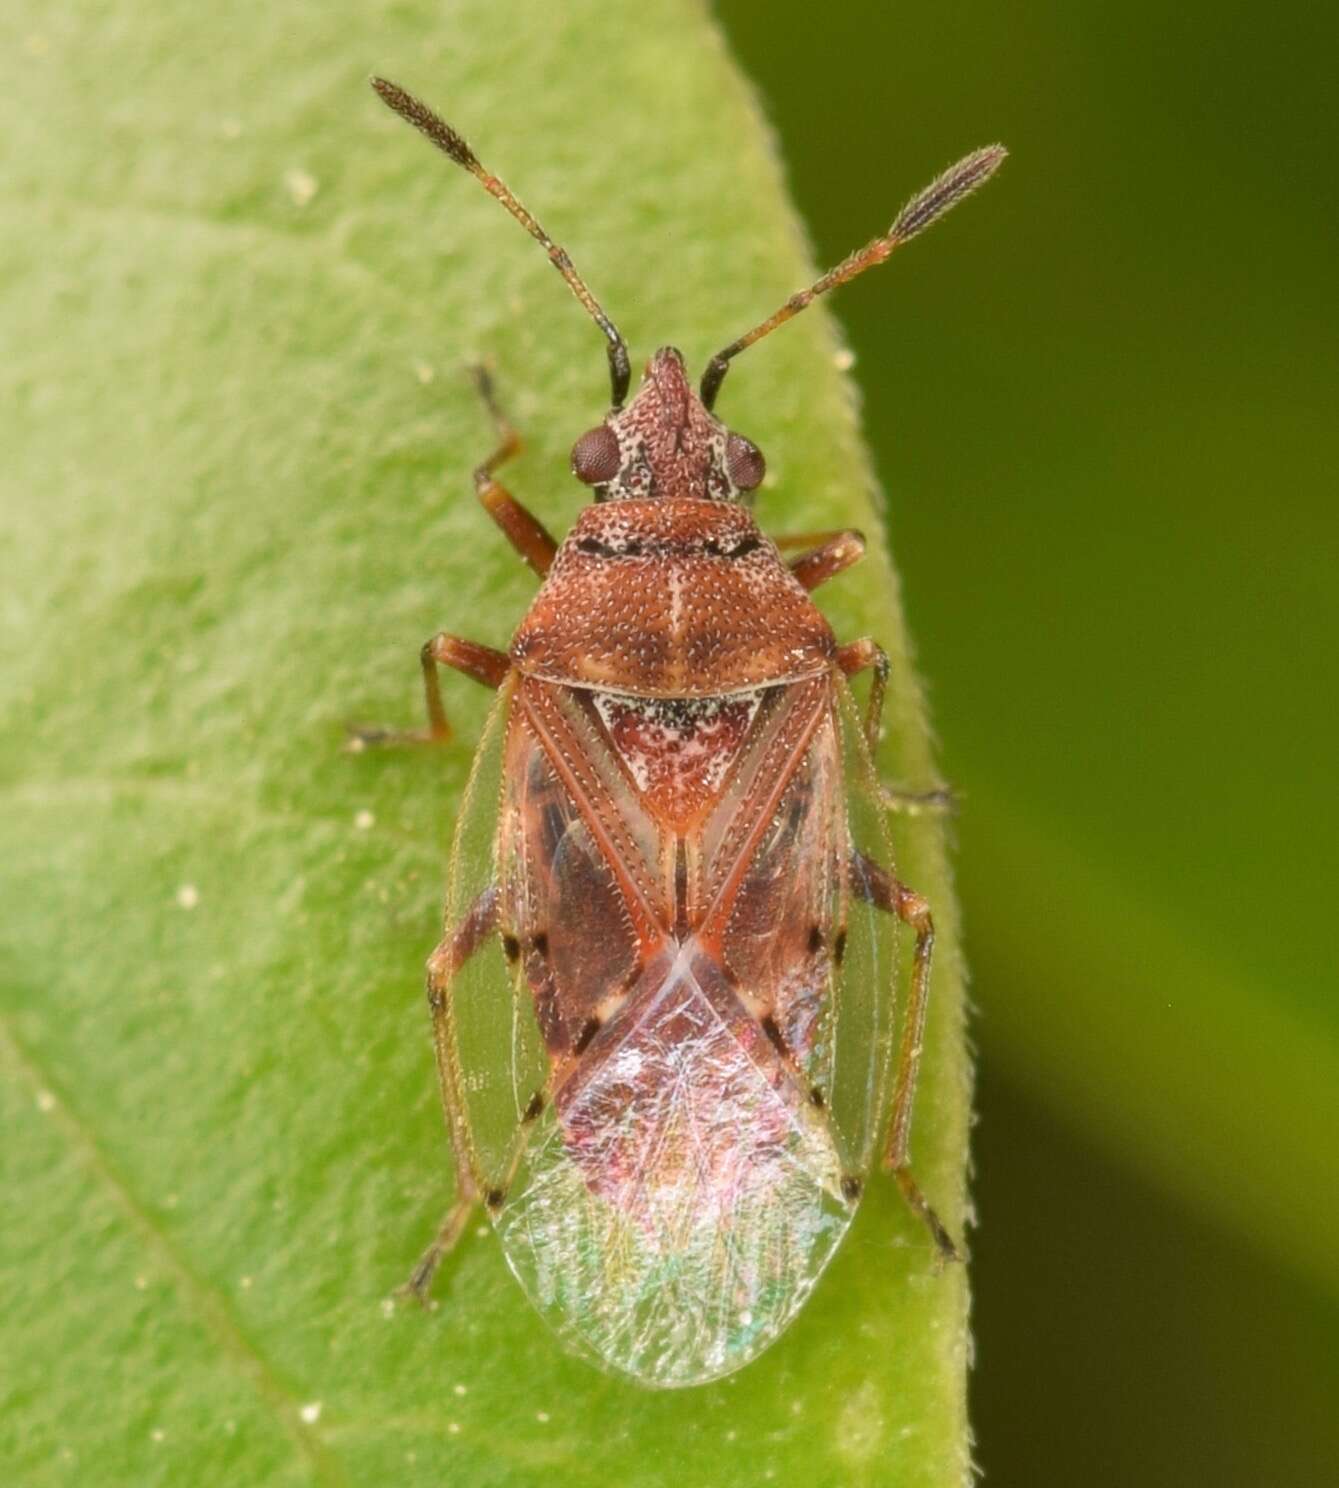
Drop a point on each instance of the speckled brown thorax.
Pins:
(671, 598)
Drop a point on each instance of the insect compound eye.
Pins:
(596, 456)
(744, 461)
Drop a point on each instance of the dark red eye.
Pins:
(596, 456)
(744, 461)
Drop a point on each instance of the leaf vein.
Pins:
(208, 1303)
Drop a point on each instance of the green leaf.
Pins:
(240, 298)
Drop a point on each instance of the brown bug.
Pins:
(663, 1004)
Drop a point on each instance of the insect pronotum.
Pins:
(663, 1003)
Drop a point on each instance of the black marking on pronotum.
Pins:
(815, 940)
(494, 1198)
(511, 947)
(535, 1106)
(741, 549)
(839, 948)
(594, 548)
(632, 547)
(852, 1188)
(588, 1031)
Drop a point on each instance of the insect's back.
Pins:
(671, 597)
(676, 923)
(679, 1202)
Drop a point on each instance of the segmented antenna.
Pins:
(450, 143)
(942, 193)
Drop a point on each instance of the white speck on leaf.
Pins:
(364, 820)
(860, 1427)
(311, 1412)
(188, 896)
(301, 185)
(46, 1101)
(844, 359)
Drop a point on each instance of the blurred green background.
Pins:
(1104, 414)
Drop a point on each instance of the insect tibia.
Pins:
(946, 191)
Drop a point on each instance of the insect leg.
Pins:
(524, 532)
(938, 802)
(882, 889)
(445, 962)
(863, 655)
(482, 663)
(830, 553)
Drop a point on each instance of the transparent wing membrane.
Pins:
(678, 1206)
(709, 1026)
(494, 1052)
(864, 985)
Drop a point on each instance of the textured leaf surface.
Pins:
(238, 298)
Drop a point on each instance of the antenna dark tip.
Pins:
(414, 112)
(943, 192)
(440, 133)
(947, 191)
